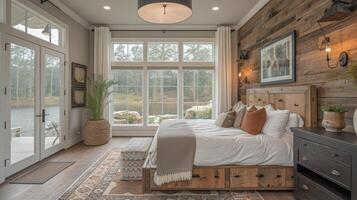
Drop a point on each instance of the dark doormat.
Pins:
(42, 173)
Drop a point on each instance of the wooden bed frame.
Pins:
(298, 99)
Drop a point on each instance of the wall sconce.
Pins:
(340, 9)
(242, 81)
(326, 46)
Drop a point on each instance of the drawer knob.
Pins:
(260, 175)
(335, 172)
(304, 158)
(334, 155)
(304, 187)
(236, 176)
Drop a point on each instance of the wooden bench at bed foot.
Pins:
(230, 178)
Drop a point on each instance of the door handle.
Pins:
(43, 115)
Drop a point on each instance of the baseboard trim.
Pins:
(73, 141)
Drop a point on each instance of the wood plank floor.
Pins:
(84, 157)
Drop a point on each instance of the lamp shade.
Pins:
(164, 11)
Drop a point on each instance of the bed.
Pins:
(230, 159)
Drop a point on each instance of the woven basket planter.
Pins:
(97, 132)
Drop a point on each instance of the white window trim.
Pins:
(146, 129)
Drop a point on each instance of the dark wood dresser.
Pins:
(325, 164)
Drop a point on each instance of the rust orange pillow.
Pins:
(254, 120)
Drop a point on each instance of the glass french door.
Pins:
(52, 101)
(34, 102)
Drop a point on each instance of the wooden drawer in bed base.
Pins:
(229, 178)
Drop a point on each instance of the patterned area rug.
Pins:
(102, 182)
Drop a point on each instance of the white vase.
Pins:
(355, 121)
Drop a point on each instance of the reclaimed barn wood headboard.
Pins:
(298, 99)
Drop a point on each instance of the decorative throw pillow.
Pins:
(254, 120)
(239, 116)
(275, 125)
(238, 106)
(295, 120)
(225, 119)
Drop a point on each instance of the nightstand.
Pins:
(325, 164)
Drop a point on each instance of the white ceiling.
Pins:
(123, 14)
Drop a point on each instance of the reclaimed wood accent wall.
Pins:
(279, 17)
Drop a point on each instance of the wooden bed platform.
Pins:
(298, 99)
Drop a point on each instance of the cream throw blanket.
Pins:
(176, 147)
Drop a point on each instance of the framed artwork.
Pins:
(78, 97)
(79, 75)
(277, 61)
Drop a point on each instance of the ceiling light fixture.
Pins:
(107, 7)
(165, 11)
(215, 8)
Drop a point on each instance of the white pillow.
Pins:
(295, 120)
(276, 122)
(239, 116)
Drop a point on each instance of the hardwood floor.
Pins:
(84, 157)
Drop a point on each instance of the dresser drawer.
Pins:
(307, 189)
(334, 171)
(326, 151)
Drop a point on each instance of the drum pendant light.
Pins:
(164, 11)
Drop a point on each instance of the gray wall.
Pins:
(79, 53)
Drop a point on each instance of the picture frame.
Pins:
(278, 60)
(78, 97)
(79, 75)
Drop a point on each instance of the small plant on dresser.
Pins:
(334, 118)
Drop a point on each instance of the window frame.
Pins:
(63, 28)
(146, 66)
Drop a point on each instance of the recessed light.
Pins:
(215, 8)
(107, 7)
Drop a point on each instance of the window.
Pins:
(29, 22)
(128, 97)
(162, 79)
(198, 52)
(162, 52)
(162, 95)
(198, 94)
(128, 52)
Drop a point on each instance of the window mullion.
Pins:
(145, 96)
(180, 98)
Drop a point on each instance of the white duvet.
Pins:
(232, 146)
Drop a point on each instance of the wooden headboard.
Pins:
(298, 99)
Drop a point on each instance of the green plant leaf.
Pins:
(97, 97)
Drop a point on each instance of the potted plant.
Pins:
(97, 130)
(334, 118)
(351, 74)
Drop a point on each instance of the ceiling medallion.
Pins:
(165, 11)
